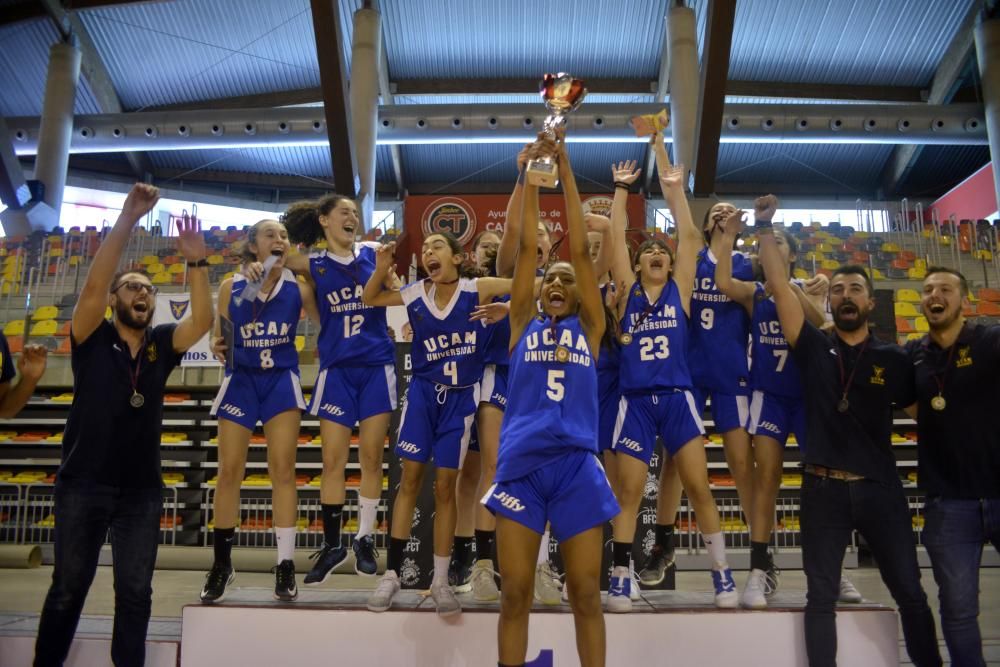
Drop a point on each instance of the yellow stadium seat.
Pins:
(831, 264)
(921, 324)
(215, 259)
(914, 336)
(107, 313)
(44, 328)
(908, 295)
(162, 278)
(300, 343)
(176, 268)
(14, 328)
(945, 240)
(890, 247)
(801, 274)
(920, 263)
(814, 256)
(75, 259)
(860, 235)
(877, 275)
(228, 275)
(916, 274)
(149, 259)
(155, 268)
(823, 247)
(55, 252)
(45, 313)
(984, 255)
(905, 309)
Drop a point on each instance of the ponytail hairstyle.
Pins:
(242, 248)
(301, 218)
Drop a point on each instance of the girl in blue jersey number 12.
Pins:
(547, 468)
(441, 400)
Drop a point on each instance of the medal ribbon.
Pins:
(650, 307)
(939, 379)
(845, 386)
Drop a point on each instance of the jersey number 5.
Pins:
(556, 390)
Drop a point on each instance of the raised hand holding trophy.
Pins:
(562, 94)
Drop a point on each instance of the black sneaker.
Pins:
(771, 575)
(365, 556)
(460, 576)
(284, 581)
(216, 581)
(326, 559)
(660, 560)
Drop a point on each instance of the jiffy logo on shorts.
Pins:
(332, 409)
(232, 410)
(629, 443)
(509, 501)
(407, 447)
(769, 426)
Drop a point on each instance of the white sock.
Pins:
(366, 520)
(441, 564)
(286, 543)
(716, 546)
(543, 549)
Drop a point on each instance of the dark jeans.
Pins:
(83, 517)
(954, 533)
(831, 509)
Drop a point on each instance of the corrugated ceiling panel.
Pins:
(310, 161)
(24, 61)
(853, 167)
(940, 168)
(873, 42)
(522, 38)
(164, 52)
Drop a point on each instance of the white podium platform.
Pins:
(667, 628)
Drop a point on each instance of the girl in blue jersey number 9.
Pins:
(656, 390)
(547, 468)
(441, 400)
(263, 386)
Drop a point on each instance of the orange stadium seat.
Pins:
(903, 325)
(989, 294)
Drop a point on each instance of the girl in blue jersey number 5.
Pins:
(441, 400)
(547, 468)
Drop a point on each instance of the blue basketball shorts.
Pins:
(248, 397)
(777, 416)
(729, 411)
(572, 493)
(350, 394)
(436, 422)
(672, 415)
(494, 386)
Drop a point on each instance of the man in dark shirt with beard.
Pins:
(957, 367)
(110, 476)
(850, 383)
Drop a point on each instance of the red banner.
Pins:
(466, 216)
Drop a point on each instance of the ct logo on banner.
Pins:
(450, 214)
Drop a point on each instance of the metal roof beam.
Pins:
(714, 73)
(944, 85)
(28, 10)
(385, 92)
(336, 103)
(659, 96)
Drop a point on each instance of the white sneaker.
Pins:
(633, 592)
(726, 595)
(619, 591)
(484, 585)
(754, 594)
(381, 597)
(444, 599)
(548, 587)
(848, 593)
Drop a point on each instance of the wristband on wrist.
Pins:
(621, 184)
(762, 224)
(199, 264)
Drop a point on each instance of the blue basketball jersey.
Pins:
(447, 348)
(264, 330)
(552, 404)
(497, 350)
(719, 329)
(351, 333)
(607, 364)
(656, 357)
(772, 368)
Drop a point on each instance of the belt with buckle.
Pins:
(823, 471)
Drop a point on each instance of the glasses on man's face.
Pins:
(135, 286)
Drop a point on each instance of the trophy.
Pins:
(561, 94)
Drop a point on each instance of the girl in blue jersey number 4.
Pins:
(656, 390)
(441, 400)
(263, 386)
(547, 468)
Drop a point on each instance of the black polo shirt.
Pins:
(859, 440)
(959, 447)
(7, 371)
(107, 441)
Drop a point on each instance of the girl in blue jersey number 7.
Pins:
(441, 400)
(547, 468)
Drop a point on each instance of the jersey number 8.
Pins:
(265, 358)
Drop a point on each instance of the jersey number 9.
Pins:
(707, 318)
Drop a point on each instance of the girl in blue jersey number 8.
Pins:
(263, 386)
(547, 469)
(441, 400)
(656, 390)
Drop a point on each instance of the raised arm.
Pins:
(522, 290)
(30, 368)
(309, 300)
(490, 288)
(376, 293)
(94, 296)
(738, 290)
(790, 312)
(689, 241)
(191, 246)
(511, 239)
(591, 303)
(624, 175)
